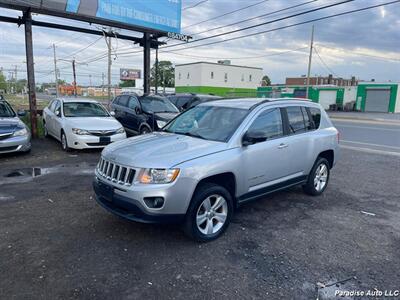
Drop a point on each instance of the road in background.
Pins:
(380, 137)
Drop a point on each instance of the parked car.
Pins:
(215, 157)
(141, 115)
(80, 124)
(14, 134)
(186, 101)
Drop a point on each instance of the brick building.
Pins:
(321, 80)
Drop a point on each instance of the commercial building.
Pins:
(366, 96)
(222, 78)
(321, 80)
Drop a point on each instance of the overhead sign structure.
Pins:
(160, 15)
(129, 74)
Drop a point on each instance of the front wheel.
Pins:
(45, 131)
(64, 142)
(318, 178)
(209, 213)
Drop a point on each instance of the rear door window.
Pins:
(296, 120)
(308, 122)
(315, 116)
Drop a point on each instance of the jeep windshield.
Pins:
(6, 111)
(157, 105)
(208, 122)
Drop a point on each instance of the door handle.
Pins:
(282, 146)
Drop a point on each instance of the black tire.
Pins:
(201, 194)
(310, 188)
(144, 130)
(64, 146)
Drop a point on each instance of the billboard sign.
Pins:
(159, 15)
(129, 74)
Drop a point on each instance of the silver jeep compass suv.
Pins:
(213, 158)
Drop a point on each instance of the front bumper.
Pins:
(109, 198)
(91, 142)
(15, 144)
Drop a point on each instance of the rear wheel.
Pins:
(318, 178)
(209, 213)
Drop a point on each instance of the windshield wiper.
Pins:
(195, 135)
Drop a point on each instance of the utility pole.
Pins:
(309, 62)
(74, 74)
(156, 79)
(90, 80)
(55, 68)
(102, 85)
(16, 78)
(30, 72)
(108, 42)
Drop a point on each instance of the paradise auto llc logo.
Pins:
(368, 293)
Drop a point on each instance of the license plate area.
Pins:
(105, 140)
(106, 191)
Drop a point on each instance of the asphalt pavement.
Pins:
(57, 243)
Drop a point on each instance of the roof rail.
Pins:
(260, 103)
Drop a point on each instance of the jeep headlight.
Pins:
(80, 131)
(158, 175)
(121, 130)
(161, 124)
(21, 132)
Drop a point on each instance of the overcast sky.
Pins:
(364, 44)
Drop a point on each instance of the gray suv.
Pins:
(213, 158)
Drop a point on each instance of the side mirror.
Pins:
(21, 113)
(112, 113)
(253, 137)
(58, 113)
(138, 111)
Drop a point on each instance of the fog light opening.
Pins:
(154, 202)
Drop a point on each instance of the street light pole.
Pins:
(309, 62)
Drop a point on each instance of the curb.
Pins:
(380, 120)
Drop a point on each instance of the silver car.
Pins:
(14, 134)
(215, 157)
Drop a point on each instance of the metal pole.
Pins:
(74, 73)
(156, 79)
(30, 72)
(109, 68)
(309, 62)
(55, 68)
(146, 63)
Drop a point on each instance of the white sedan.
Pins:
(81, 124)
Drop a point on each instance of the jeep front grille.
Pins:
(115, 172)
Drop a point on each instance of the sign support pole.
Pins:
(146, 63)
(156, 79)
(30, 72)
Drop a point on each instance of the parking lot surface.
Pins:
(57, 243)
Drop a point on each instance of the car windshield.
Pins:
(84, 109)
(208, 122)
(157, 105)
(6, 110)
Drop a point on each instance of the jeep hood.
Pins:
(160, 150)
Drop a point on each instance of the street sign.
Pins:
(140, 15)
(129, 74)
(179, 36)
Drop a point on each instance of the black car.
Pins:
(186, 101)
(144, 114)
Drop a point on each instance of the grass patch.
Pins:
(27, 120)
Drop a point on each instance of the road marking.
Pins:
(368, 150)
(369, 144)
(376, 122)
(369, 128)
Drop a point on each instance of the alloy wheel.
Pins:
(212, 214)
(321, 177)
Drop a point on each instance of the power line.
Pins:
(264, 23)
(254, 18)
(225, 14)
(84, 48)
(323, 62)
(194, 5)
(288, 26)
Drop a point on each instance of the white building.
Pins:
(217, 78)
